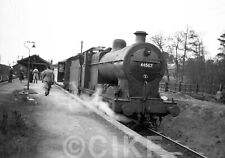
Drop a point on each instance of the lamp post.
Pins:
(81, 44)
(28, 79)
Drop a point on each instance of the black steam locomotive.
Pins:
(128, 75)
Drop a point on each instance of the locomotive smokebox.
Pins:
(140, 36)
(118, 44)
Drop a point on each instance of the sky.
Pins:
(58, 26)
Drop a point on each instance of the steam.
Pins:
(73, 87)
(96, 101)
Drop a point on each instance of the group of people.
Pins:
(35, 77)
(47, 77)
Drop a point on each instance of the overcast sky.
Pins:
(58, 26)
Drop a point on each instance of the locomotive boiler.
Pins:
(128, 75)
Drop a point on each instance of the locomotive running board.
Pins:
(128, 99)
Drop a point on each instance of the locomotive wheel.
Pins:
(139, 124)
(146, 122)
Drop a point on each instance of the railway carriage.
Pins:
(4, 72)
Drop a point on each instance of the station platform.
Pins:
(59, 126)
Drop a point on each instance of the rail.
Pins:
(191, 151)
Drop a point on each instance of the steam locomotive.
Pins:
(128, 75)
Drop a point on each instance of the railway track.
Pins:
(179, 150)
(170, 145)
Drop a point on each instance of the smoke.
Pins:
(73, 87)
(96, 101)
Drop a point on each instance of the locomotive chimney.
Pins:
(118, 44)
(140, 36)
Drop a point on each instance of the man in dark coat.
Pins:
(21, 77)
(47, 79)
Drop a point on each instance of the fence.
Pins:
(190, 88)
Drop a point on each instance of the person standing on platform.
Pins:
(35, 75)
(21, 77)
(47, 79)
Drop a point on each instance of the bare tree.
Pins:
(221, 60)
(189, 37)
(160, 42)
(185, 36)
(176, 44)
(183, 45)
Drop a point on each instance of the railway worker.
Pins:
(47, 79)
(35, 74)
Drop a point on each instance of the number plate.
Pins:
(147, 65)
